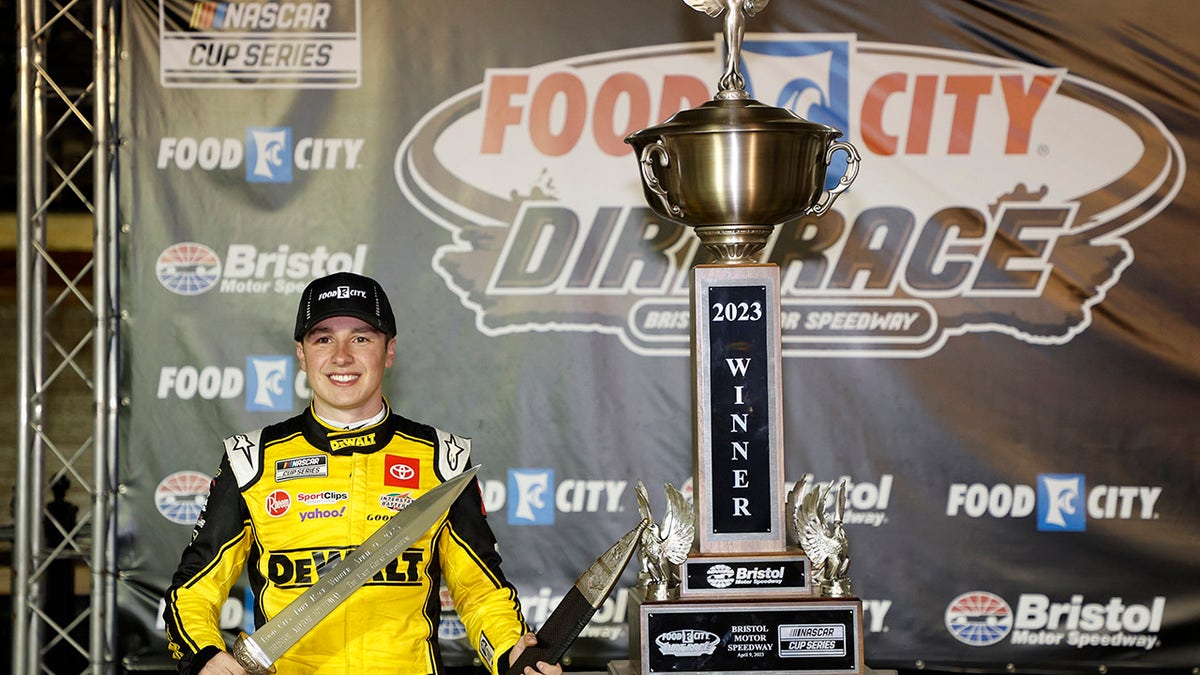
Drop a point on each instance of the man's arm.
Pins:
(484, 599)
(208, 568)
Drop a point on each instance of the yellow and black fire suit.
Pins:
(291, 497)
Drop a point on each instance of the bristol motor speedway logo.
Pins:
(192, 268)
(989, 190)
(982, 619)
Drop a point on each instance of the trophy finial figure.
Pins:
(731, 85)
(823, 540)
(664, 547)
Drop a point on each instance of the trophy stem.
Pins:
(734, 244)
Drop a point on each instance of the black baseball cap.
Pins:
(344, 294)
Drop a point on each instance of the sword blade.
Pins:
(257, 652)
(575, 610)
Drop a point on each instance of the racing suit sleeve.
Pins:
(485, 601)
(208, 568)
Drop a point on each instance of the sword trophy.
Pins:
(744, 598)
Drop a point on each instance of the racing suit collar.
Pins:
(341, 441)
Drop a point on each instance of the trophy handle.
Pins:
(827, 199)
(651, 181)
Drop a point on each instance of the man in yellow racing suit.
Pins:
(292, 498)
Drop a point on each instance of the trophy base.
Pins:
(627, 667)
(814, 636)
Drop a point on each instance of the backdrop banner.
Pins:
(992, 334)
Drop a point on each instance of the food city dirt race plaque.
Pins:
(738, 585)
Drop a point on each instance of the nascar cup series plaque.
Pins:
(720, 589)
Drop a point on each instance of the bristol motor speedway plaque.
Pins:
(778, 575)
(811, 637)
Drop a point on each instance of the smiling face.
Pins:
(345, 359)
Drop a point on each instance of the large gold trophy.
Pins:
(752, 580)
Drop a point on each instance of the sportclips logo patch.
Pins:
(989, 190)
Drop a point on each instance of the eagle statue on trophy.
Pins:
(732, 84)
(823, 540)
(663, 548)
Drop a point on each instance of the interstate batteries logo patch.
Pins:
(993, 195)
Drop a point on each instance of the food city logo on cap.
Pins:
(988, 199)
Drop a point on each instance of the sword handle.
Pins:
(557, 633)
(251, 656)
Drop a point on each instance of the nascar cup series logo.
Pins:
(285, 43)
(988, 187)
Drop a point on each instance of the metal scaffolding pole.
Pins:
(56, 110)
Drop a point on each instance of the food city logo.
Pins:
(267, 381)
(687, 642)
(982, 619)
(990, 190)
(533, 496)
(297, 44)
(268, 154)
(1062, 502)
(192, 268)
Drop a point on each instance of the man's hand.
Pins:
(529, 640)
(223, 664)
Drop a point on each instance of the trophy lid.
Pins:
(720, 115)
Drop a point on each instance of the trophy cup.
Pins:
(742, 599)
